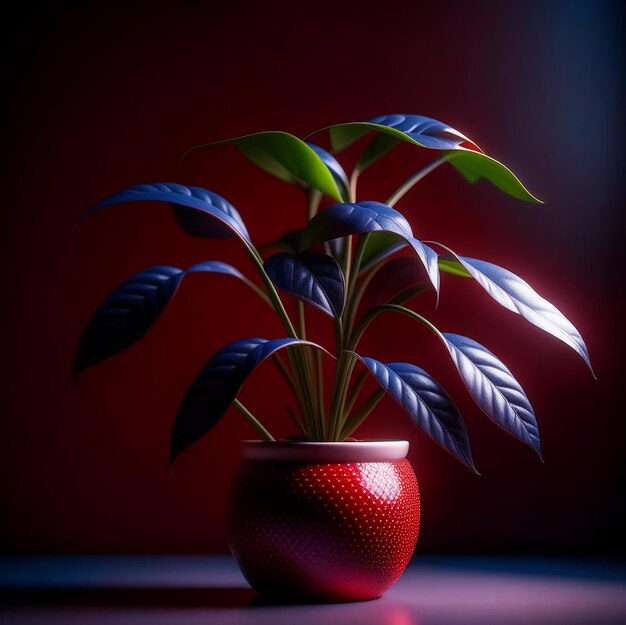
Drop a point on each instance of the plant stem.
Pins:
(298, 422)
(313, 202)
(354, 176)
(319, 375)
(362, 414)
(253, 420)
(296, 360)
(301, 320)
(373, 312)
(356, 389)
(273, 293)
(408, 184)
(351, 301)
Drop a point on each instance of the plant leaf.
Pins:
(216, 266)
(432, 134)
(375, 149)
(313, 277)
(517, 295)
(335, 168)
(342, 220)
(133, 308)
(494, 389)
(475, 166)
(449, 264)
(199, 211)
(488, 381)
(426, 403)
(425, 131)
(217, 385)
(343, 135)
(285, 156)
(380, 246)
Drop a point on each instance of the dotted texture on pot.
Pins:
(332, 532)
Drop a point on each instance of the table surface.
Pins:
(209, 589)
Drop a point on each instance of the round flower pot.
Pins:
(324, 521)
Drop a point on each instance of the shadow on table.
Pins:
(206, 597)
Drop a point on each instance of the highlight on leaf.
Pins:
(366, 217)
(493, 388)
(519, 297)
(425, 132)
(341, 263)
(426, 403)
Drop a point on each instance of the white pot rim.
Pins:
(374, 450)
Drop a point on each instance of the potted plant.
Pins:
(323, 514)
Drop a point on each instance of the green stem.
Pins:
(374, 312)
(354, 176)
(298, 421)
(291, 382)
(356, 389)
(319, 375)
(272, 293)
(314, 199)
(362, 414)
(408, 184)
(352, 302)
(253, 420)
(258, 291)
(296, 359)
(341, 411)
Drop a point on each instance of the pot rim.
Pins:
(366, 450)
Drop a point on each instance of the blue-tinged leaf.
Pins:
(418, 129)
(133, 308)
(494, 388)
(313, 277)
(216, 266)
(428, 256)
(342, 220)
(217, 385)
(425, 131)
(513, 293)
(426, 403)
(127, 314)
(463, 154)
(199, 211)
(334, 167)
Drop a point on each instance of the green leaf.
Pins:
(475, 166)
(472, 165)
(344, 135)
(453, 266)
(285, 156)
(377, 147)
(380, 245)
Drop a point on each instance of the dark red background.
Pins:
(102, 97)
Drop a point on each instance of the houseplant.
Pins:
(320, 486)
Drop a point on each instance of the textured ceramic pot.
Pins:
(326, 521)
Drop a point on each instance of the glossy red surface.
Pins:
(334, 532)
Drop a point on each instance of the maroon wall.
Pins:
(102, 98)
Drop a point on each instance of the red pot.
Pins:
(326, 521)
